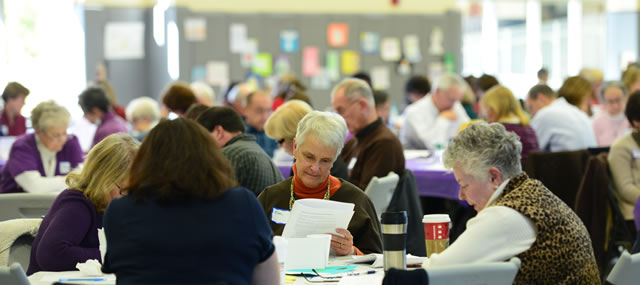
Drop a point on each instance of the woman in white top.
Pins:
(39, 162)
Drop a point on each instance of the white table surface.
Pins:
(48, 277)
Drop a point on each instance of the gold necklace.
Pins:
(326, 195)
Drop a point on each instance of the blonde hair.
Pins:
(107, 164)
(502, 101)
(575, 90)
(631, 75)
(282, 124)
(48, 114)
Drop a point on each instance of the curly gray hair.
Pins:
(328, 128)
(481, 146)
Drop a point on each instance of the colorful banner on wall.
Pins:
(337, 34)
(289, 41)
(262, 64)
(350, 62)
(369, 42)
(310, 61)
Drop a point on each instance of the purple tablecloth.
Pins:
(431, 178)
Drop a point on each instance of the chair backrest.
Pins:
(561, 172)
(380, 191)
(25, 205)
(479, 273)
(406, 198)
(13, 275)
(626, 271)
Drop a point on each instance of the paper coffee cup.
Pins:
(436, 232)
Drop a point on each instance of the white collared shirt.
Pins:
(496, 234)
(424, 128)
(563, 127)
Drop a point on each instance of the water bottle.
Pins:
(394, 239)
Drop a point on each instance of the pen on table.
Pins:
(361, 273)
(80, 279)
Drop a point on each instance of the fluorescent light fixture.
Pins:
(173, 50)
(158, 21)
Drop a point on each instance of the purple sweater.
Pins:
(68, 234)
(24, 156)
(527, 136)
(110, 124)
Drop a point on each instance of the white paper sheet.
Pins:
(237, 38)
(307, 253)
(380, 78)
(218, 73)
(124, 40)
(317, 216)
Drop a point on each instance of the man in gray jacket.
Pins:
(252, 166)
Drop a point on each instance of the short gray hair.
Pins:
(203, 90)
(448, 80)
(49, 114)
(613, 84)
(481, 146)
(328, 128)
(143, 107)
(354, 88)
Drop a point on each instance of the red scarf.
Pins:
(304, 192)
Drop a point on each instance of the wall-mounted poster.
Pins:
(289, 41)
(337, 34)
(435, 41)
(124, 40)
(262, 64)
(249, 53)
(237, 37)
(380, 78)
(282, 64)
(218, 73)
(350, 62)
(310, 61)
(198, 73)
(195, 29)
(333, 65)
(369, 42)
(390, 49)
(411, 47)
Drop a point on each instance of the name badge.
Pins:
(280, 216)
(635, 153)
(65, 167)
(5, 130)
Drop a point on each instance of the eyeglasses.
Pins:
(56, 137)
(120, 189)
(281, 141)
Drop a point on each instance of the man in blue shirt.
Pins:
(559, 125)
(256, 113)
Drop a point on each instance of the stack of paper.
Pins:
(377, 259)
(316, 216)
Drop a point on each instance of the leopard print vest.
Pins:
(562, 252)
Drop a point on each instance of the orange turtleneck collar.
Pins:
(304, 192)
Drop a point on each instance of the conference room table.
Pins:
(432, 179)
(366, 276)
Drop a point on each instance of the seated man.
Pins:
(319, 139)
(517, 215)
(252, 166)
(97, 109)
(256, 112)
(435, 119)
(375, 150)
(144, 114)
(559, 125)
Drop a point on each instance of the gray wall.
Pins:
(148, 77)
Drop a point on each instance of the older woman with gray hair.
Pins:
(318, 141)
(144, 114)
(38, 163)
(517, 216)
